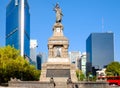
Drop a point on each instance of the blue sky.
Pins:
(81, 17)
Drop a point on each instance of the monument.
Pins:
(58, 65)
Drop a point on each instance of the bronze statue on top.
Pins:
(58, 13)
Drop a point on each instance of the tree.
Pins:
(113, 69)
(80, 75)
(15, 66)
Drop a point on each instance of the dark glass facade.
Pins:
(39, 61)
(27, 30)
(100, 49)
(13, 26)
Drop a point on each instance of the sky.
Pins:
(81, 17)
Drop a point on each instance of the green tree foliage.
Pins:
(12, 65)
(113, 69)
(80, 75)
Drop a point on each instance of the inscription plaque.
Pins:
(58, 73)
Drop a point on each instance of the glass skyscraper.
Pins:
(18, 26)
(100, 49)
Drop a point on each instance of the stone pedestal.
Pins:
(58, 65)
(59, 71)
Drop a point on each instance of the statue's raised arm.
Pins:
(58, 13)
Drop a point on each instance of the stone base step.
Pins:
(60, 85)
(61, 80)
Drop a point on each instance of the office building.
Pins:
(41, 58)
(33, 52)
(100, 50)
(74, 58)
(39, 61)
(82, 63)
(18, 26)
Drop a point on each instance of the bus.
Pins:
(111, 79)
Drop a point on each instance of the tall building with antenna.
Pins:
(18, 26)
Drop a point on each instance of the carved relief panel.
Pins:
(57, 50)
